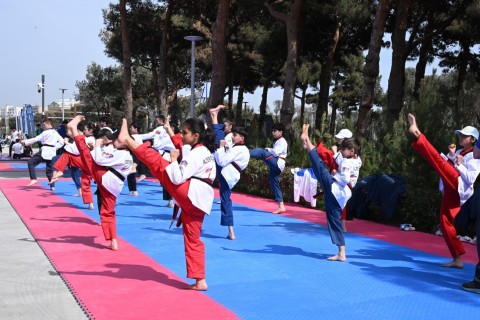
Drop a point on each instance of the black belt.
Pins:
(48, 145)
(236, 166)
(206, 180)
(115, 172)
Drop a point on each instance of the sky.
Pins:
(59, 39)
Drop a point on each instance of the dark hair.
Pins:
(108, 133)
(230, 122)
(161, 117)
(351, 143)
(65, 121)
(241, 132)
(207, 138)
(104, 119)
(81, 125)
(279, 127)
(17, 140)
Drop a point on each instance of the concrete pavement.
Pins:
(30, 287)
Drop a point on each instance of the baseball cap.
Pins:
(345, 134)
(468, 131)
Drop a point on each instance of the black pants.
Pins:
(132, 182)
(35, 161)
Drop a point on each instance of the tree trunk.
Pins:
(463, 59)
(396, 81)
(154, 85)
(292, 22)
(302, 106)
(238, 109)
(219, 55)
(423, 58)
(127, 64)
(263, 106)
(162, 68)
(326, 77)
(372, 68)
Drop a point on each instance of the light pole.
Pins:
(245, 112)
(63, 112)
(193, 39)
(41, 88)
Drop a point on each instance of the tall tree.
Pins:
(219, 55)
(127, 63)
(292, 21)
(162, 64)
(372, 66)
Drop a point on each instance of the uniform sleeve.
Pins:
(469, 170)
(181, 172)
(344, 173)
(279, 148)
(223, 158)
(31, 141)
(148, 136)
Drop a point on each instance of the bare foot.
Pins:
(338, 257)
(114, 245)
(413, 129)
(90, 206)
(216, 110)
(200, 285)
(76, 195)
(123, 136)
(55, 177)
(52, 188)
(231, 236)
(133, 194)
(455, 263)
(304, 135)
(32, 182)
(74, 122)
(279, 210)
(142, 177)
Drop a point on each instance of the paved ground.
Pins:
(30, 288)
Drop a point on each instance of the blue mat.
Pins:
(24, 166)
(276, 269)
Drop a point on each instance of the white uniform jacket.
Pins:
(197, 165)
(232, 162)
(50, 140)
(161, 141)
(72, 147)
(119, 163)
(279, 150)
(469, 170)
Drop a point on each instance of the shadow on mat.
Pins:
(133, 271)
(70, 219)
(58, 205)
(283, 250)
(84, 240)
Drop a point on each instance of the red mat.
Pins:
(126, 284)
(420, 241)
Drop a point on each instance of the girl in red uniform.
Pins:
(190, 184)
(457, 176)
(109, 165)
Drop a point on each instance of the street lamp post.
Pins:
(42, 88)
(63, 112)
(193, 39)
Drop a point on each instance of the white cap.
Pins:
(468, 131)
(344, 134)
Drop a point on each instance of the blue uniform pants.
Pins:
(333, 209)
(225, 192)
(274, 170)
